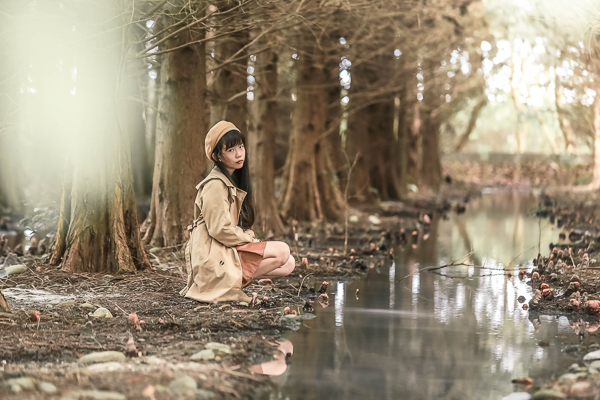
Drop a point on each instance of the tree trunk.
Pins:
(180, 162)
(563, 121)
(413, 144)
(431, 167)
(464, 138)
(98, 230)
(229, 78)
(262, 131)
(311, 191)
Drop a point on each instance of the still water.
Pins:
(431, 336)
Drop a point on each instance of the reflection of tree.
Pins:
(444, 338)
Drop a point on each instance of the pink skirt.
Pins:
(251, 255)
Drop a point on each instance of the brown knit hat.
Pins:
(215, 134)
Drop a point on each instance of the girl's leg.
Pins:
(277, 261)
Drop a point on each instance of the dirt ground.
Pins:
(169, 347)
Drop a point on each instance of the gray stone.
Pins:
(46, 387)
(22, 383)
(591, 357)
(218, 346)
(517, 396)
(15, 269)
(102, 357)
(567, 379)
(112, 366)
(94, 394)
(548, 395)
(102, 313)
(574, 367)
(206, 354)
(183, 384)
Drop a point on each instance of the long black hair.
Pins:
(240, 177)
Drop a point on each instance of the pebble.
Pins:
(219, 347)
(574, 367)
(517, 396)
(69, 303)
(112, 366)
(595, 367)
(15, 269)
(243, 303)
(591, 357)
(154, 250)
(567, 379)
(102, 313)
(548, 395)
(206, 354)
(46, 387)
(374, 220)
(102, 357)
(182, 385)
(87, 305)
(18, 384)
(94, 394)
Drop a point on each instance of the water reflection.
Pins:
(277, 366)
(431, 336)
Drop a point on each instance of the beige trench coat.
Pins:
(212, 262)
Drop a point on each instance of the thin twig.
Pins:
(305, 276)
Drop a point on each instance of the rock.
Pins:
(374, 220)
(94, 394)
(219, 347)
(102, 313)
(517, 396)
(87, 305)
(574, 367)
(353, 218)
(183, 384)
(21, 383)
(15, 269)
(591, 357)
(104, 367)
(154, 250)
(594, 367)
(153, 360)
(102, 357)
(68, 303)
(243, 303)
(206, 354)
(46, 387)
(548, 395)
(107, 276)
(567, 379)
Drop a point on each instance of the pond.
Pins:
(453, 333)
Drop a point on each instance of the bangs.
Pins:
(231, 139)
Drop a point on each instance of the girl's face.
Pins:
(234, 157)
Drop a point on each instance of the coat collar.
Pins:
(216, 173)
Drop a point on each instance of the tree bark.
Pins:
(99, 231)
(311, 189)
(229, 82)
(180, 162)
(262, 131)
(563, 121)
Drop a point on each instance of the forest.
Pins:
(375, 132)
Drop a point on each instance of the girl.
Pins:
(223, 255)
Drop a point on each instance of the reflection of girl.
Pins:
(223, 254)
(279, 365)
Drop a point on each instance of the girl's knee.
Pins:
(290, 265)
(284, 253)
